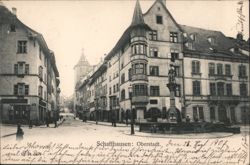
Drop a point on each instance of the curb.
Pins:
(107, 124)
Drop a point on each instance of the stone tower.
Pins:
(82, 68)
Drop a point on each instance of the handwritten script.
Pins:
(208, 151)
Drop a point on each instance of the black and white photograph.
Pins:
(131, 82)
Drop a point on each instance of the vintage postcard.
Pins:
(124, 82)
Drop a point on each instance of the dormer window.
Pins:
(211, 40)
(189, 45)
(193, 37)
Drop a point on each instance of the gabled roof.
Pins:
(165, 8)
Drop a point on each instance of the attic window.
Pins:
(211, 40)
(159, 19)
(159, 8)
(12, 28)
(193, 37)
(189, 45)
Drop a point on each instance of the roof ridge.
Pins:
(200, 28)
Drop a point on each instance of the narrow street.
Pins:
(72, 134)
(74, 129)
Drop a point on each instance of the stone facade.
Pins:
(140, 63)
(29, 76)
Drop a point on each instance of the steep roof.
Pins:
(137, 21)
(165, 8)
(137, 16)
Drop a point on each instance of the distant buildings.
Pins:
(81, 69)
(212, 73)
(29, 79)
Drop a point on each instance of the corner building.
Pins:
(29, 79)
(141, 60)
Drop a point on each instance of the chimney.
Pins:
(239, 37)
(163, 2)
(14, 10)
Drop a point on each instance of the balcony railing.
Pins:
(220, 76)
(224, 98)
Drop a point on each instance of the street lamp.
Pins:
(132, 111)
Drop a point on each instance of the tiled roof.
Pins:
(202, 44)
(202, 36)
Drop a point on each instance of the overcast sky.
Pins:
(96, 26)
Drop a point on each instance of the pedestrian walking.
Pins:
(47, 122)
(19, 133)
(55, 122)
(126, 117)
(113, 118)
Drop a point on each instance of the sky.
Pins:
(96, 25)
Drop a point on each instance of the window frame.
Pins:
(22, 47)
(154, 70)
(159, 19)
(173, 37)
(211, 68)
(196, 67)
(196, 88)
(154, 90)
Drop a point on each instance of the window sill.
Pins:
(21, 53)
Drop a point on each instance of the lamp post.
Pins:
(132, 110)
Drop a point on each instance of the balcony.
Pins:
(140, 99)
(223, 99)
(220, 76)
(138, 77)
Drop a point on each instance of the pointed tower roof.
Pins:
(83, 58)
(137, 17)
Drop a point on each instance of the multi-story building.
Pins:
(29, 79)
(211, 70)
